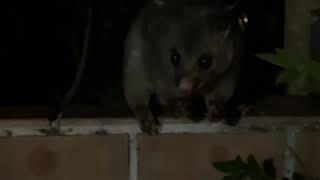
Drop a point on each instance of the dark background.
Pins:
(42, 41)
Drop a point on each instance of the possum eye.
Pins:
(175, 57)
(205, 61)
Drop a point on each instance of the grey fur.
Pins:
(192, 30)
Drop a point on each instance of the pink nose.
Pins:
(185, 86)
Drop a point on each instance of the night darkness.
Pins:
(42, 43)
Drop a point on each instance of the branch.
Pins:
(71, 92)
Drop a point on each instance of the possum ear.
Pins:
(237, 11)
(243, 21)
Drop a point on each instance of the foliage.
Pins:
(295, 68)
(237, 169)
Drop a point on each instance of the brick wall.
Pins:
(99, 149)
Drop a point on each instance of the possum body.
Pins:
(176, 50)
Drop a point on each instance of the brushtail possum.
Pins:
(176, 49)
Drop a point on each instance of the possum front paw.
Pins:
(150, 126)
(213, 114)
(147, 122)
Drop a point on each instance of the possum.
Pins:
(176, 49)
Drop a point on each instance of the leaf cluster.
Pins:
(295, 68)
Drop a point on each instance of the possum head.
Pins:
(197, 48)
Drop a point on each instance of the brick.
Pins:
(65, 158)
(189, 157)
(308, 148)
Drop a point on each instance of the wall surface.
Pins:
(65, 158)
(100, 149)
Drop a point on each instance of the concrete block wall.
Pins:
(98, 150)
(65, 158)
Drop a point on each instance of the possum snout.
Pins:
(185, 86)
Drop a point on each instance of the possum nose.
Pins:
(185, 86)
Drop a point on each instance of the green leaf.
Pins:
(270, 57)
(237, 176)
(289, 55)
(312, 85)
(275, 59)
(316, 89)
(282, 58)
(314, 69)
(287, 76)
(254, 171)
(284, 77)
(230, 167)
(239, 161)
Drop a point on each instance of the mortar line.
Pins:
(133, 128)
(289, 161)
(133, 156)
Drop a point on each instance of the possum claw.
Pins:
(151, 127)
(213, 114)
(147, 122)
